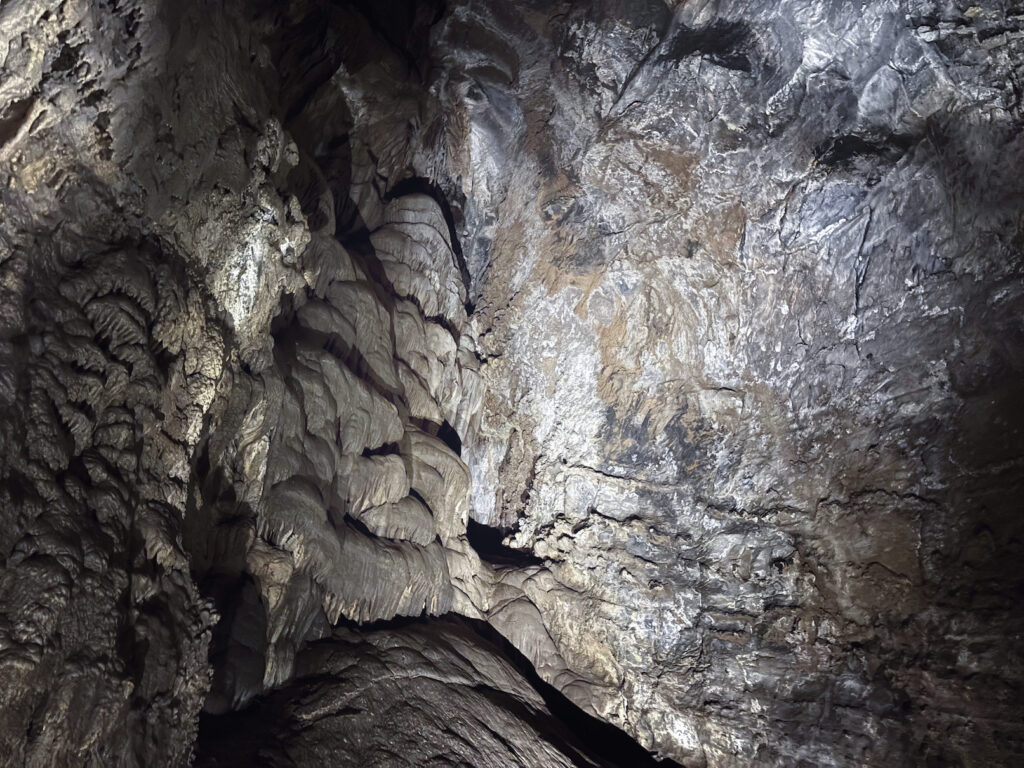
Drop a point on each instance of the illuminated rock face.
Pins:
(681, 347)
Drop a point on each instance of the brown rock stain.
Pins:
(722, 234)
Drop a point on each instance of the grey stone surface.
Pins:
(680, 343)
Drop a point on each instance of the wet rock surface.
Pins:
(678, 346)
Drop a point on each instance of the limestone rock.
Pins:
(678, 344)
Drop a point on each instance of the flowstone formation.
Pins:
(511, 383)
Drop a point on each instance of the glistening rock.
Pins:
(679, 344)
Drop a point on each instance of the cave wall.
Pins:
(681, 345)
(750, 316)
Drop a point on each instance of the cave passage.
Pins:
(488, 542)
(237, 739)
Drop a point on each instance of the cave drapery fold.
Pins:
(511, 383)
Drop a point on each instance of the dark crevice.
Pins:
(447, 434)
(359, 527)
(305, 52)
(404, 27)
(67, 59)
(488, 542)
(444, 432)
(843, 149)
(234, 739)
(416, 495)
(727, 44)
(13, 118)
(358, 245)
(605, 743)
(388, 449)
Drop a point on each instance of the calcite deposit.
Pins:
(511, 383)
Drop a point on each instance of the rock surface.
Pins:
(680, 344)
(433, 693)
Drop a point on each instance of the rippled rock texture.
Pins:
(677, 350)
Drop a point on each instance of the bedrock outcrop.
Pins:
(671, 353)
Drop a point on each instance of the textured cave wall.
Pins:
(683, 346)
(748, 284)
(162, 439)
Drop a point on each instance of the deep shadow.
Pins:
(843, 149)
(444, 432)
(487, 542)
(604, 741)
(247, 737)
(727, 44)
